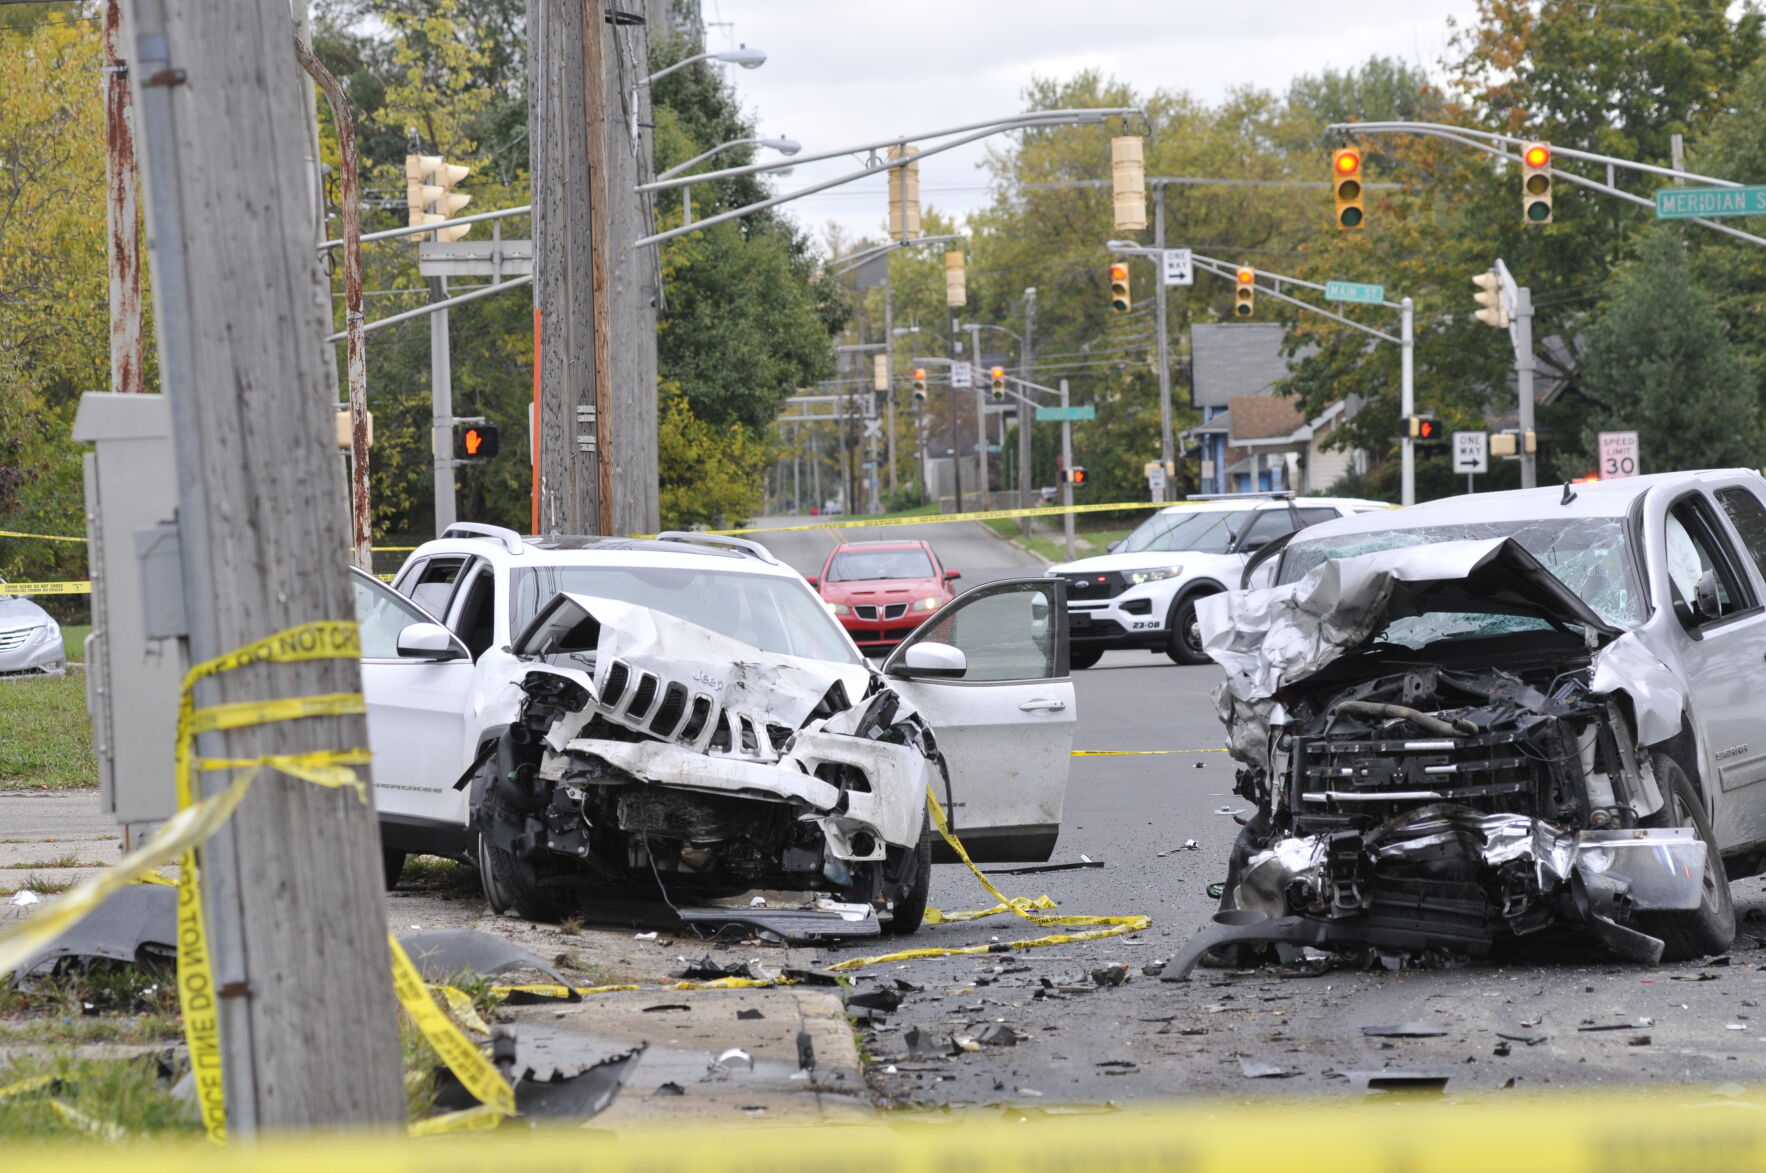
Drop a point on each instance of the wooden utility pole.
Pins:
(601, 245)
(568, 483)
(121, 177)
(635, 273)
(291, 883)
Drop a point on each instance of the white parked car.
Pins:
(30, 639)
(1143, 593)
(586, 716)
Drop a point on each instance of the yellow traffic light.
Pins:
(904, 195)
(1245, 296)
(1346, 185)
(429, 195)
(1128, 181)
(1536, 183)
(998, 377)
(919, 383)
(1119, 299)
(955, 291)
(1489, 297)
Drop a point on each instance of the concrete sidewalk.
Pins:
(685, 1031)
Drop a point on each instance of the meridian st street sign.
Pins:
(1684, 203)
(1354, 291)
(1044, 414)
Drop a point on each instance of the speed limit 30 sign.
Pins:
(1618, 455)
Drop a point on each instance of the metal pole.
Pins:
(956, 456)
(1026, 359)
(797, 480)
(441, 400)
(1524, 377)
(1067, 471)
(980, 413)
(1407, 395)
(1167, 449)
(121, 174)
(889, 362)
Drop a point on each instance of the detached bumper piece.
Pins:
(806, 924)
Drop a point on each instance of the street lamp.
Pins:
(784, 146)
(744, 56)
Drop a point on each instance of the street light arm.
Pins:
(700, 158)
(992, 125)
(1438, 129)
(1073, 117)
(1226, 273)
(852, 261)
(681, 64)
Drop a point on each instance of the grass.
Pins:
(41, 885)
(1047, 540)
(45, 734)
(73, 641)
(431, 875)
(113, 1098)
(69, 860)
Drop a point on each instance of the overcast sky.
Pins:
(846, 71)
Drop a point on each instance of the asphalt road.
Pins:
(1269, 1031)
(973, 549)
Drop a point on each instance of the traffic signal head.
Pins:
(477, 442)
(880, 372)
(904, 195)
(1346, 185)
(1128, 182)
(1492, 311)
(956, 292)
(1536, 184)
(998, 381)
(1077, 477)
(1119, 299)
(1424, 429)
(429, 194)
(1245, 296)
(919, 384)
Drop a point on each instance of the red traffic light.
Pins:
(1537, 155)
(1118, 274)
(478, 442)
(1077, 476)
(1347, 161)
(1427, 429)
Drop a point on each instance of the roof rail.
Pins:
(510, 540)
(723, 541)
(1264, 495)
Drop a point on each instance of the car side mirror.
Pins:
(952, 575)
(429, 641)
(812, 580)
(930, 660)
(1706, 602)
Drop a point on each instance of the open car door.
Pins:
(417, 680)
(989, 673)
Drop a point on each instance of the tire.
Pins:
(513, 885)
(1183, 639)
(394, 863)
(1709, 928)
(910, 906)
(1081, 657)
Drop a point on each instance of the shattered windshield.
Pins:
(773, 613)
(1588, 554)
(1209, 532)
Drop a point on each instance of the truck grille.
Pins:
(1343, 783)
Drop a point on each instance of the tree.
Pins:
(1659, 362)
(710, 476)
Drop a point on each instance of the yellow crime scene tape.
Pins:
(8, 533)
(1668, 1130)
(197, 819)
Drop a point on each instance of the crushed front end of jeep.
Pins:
(1469, 776)
(654, 755)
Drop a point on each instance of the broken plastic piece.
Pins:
(1252, 1069)
(133, 922)
(735, 1055)
(24, 897)
(1403, 1030)
(440, 954)
(997, 1034)
(749, 1014)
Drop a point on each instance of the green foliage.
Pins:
(710, 475)
(1659, 362)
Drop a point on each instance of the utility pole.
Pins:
(566, 292)
(956, 454)
(1523, 339)
(291, 883)
(1067, 470)
(889, 356)
(1167, 450)
(980, 412)
(1026, 360)
(634, 289)
(121, 174)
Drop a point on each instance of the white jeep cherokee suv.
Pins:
(683, 717)
(1143, 593)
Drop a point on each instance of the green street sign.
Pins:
(1352, 291)
(1066, 413)
(1684, 203)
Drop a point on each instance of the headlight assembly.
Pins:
(1141, 577)
(930, 603)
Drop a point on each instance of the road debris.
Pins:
(1253, 1069)
(1403, 1030)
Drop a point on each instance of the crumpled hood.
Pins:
(618, 645)
(1269, 638)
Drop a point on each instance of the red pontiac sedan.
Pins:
(880, 591)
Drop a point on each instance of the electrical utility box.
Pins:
(134, 656)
